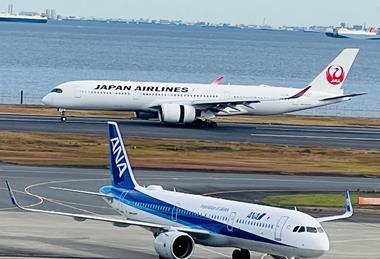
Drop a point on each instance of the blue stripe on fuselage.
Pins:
(136, 199)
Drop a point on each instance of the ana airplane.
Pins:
(179, 220)
(185, 103)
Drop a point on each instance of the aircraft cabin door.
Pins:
(78, 92)
(175, 212)
(230, 223)
(279, 227)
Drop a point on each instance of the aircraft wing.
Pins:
(348, 212)
(218, 80)
(249, 102)
(116, 222)
(83, 192)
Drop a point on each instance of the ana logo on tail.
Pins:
(118, 156)
(335, 74)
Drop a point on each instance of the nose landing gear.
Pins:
(62, 113)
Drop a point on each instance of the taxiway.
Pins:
(45, 236)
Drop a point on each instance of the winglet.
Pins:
(349, 211)
(299, 94)
(11, 194)
(349, 208)
(218, 80)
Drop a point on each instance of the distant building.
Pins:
(10, 8)
(51, 14)
(357, 27)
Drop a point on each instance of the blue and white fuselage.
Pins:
(179, 220)
(230, 223)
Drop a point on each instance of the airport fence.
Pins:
(341, 110)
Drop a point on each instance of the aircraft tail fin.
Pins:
(331, 79)
(120, 167)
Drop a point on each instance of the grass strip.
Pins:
(52, 149)
(310, 200)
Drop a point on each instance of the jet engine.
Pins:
(177, 113)
(146, 115)
(174, 245)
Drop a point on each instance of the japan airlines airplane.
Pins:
(179, 220)
(185, 103)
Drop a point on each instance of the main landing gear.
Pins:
(62, 112)
(241, 254)
(199, 123)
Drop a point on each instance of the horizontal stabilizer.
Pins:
(341, 97)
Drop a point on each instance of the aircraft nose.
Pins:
(47, 99)
(323, 244)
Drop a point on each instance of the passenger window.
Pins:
(296, 228)
(301, 229)
(311, 230)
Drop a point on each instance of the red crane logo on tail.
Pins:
(335, 74)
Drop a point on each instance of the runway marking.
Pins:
(14, 208)
(322, 130)
(48, 199)
(355, 240)
(312, 137)
(82, 204)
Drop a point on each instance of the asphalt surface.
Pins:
(353, 137)
(44, 236)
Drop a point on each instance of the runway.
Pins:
(352, 137)
(43, 236)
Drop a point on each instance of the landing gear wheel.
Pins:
(236, 254)
(211, 124)
(241, 254)
(62, 112)
(198, 123)
(245, 254)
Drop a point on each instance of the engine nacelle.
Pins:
(177, 113)
(174, 245)
(146, 115)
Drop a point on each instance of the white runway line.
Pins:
(312, 137)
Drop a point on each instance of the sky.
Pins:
(272, 12)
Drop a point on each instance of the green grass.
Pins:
(317, 200)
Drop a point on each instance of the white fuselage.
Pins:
(232, 224)
(148, 96)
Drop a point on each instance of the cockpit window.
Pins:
(301, 229)
(311, 229)
(296, 228)
(57, 90)
(320, 230)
